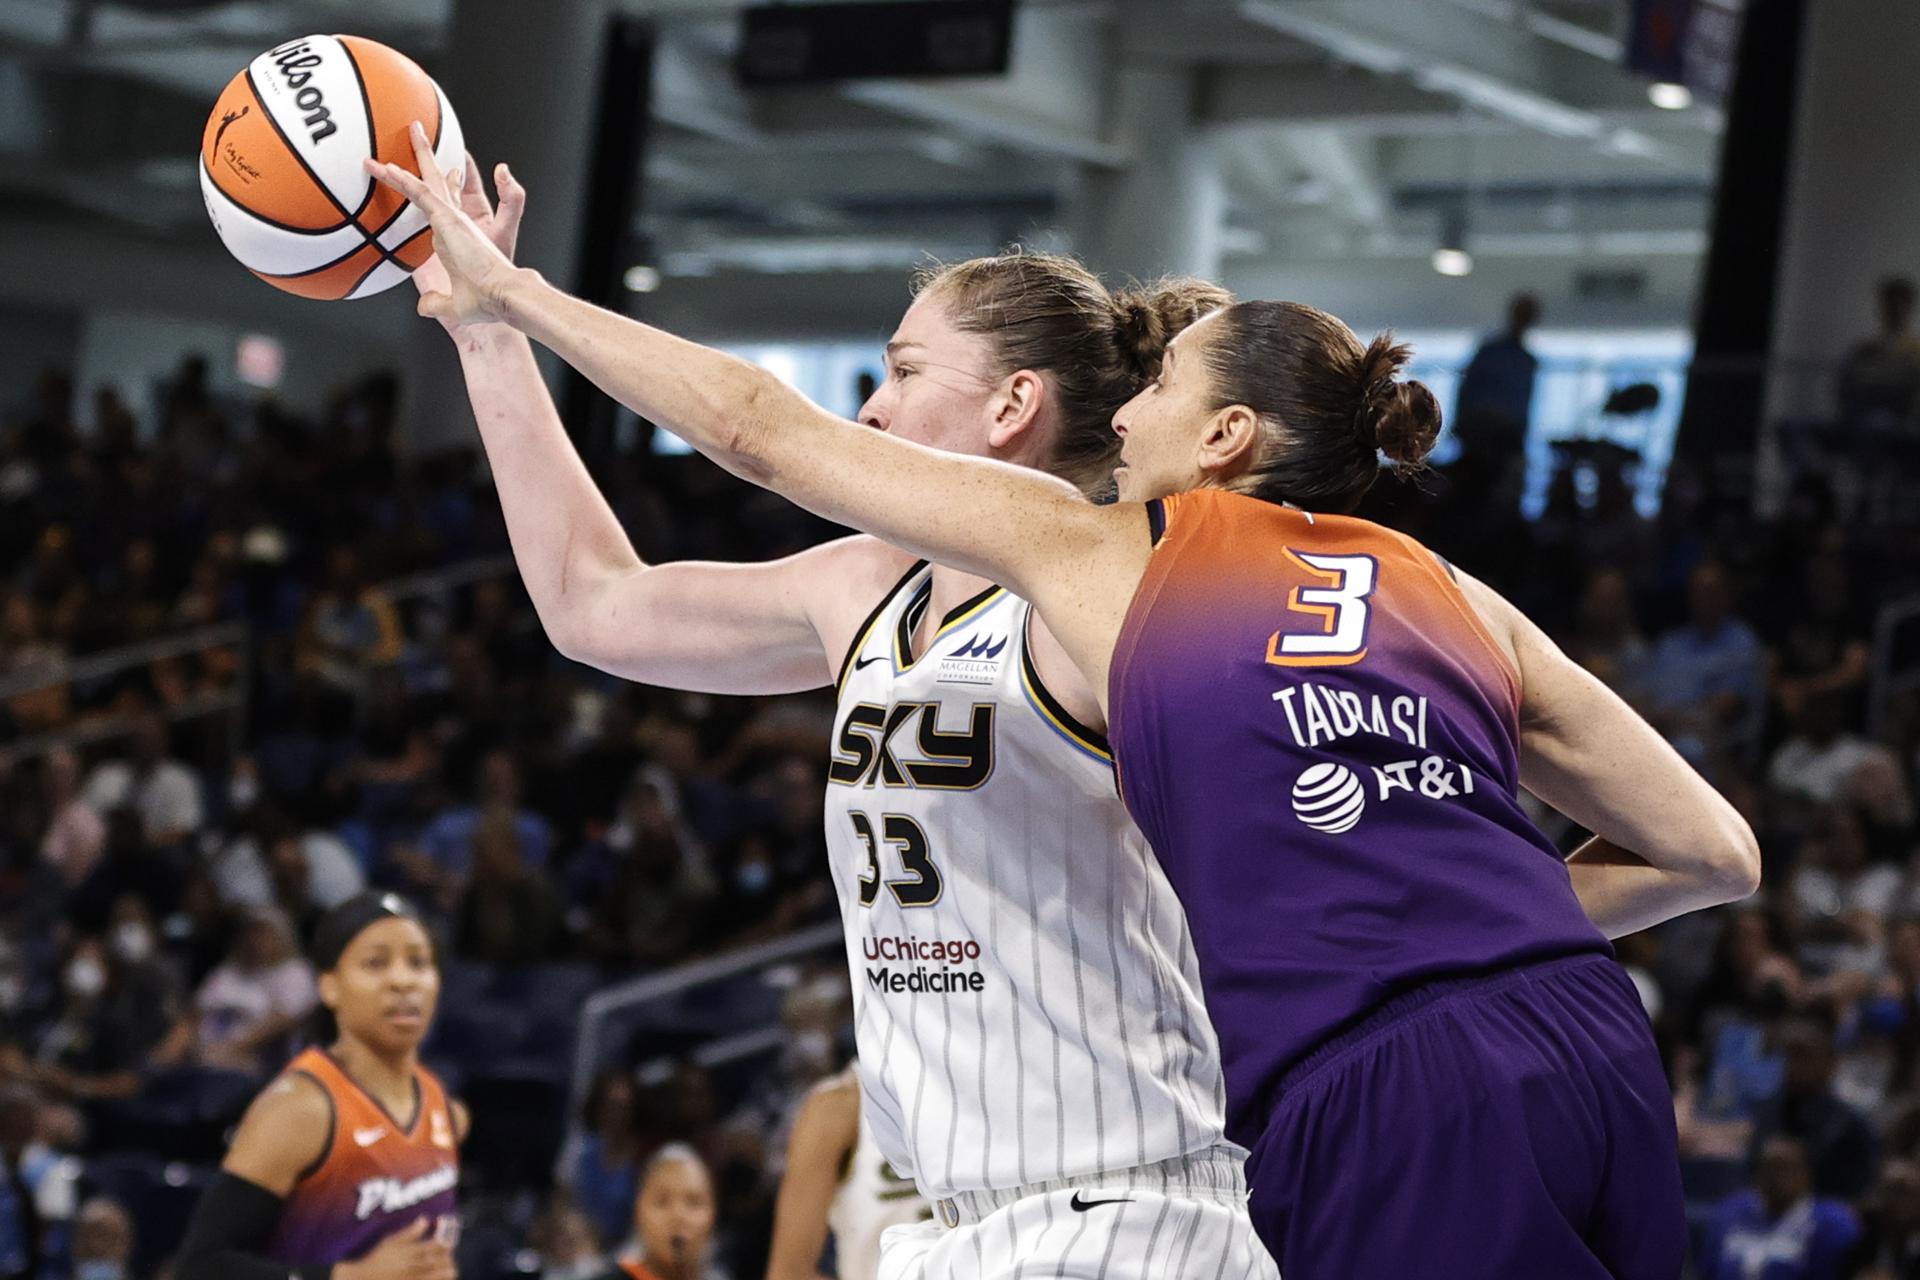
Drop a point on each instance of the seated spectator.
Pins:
(1823, 642)
(36, 1190)
(1607, 639)
(508, 915)
(350, 627)
(1752, 982)
(1839, 1144)
(644, 889)
(76, 833)
(121, 1000)
(600, 1166)
(673, 1220)
(162, 791)
(1780, 1230)
(1880, 380)
(1889, 1246)
(1840, 898)
(102, 1241)
(1705, 680)
(444, 859)
(567, 1247)
(1819, 763)
(271, 862)
(246, 1013)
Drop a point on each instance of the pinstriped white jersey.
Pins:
(1026, 997)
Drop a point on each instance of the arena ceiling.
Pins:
(1346, 128)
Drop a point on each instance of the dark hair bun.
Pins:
(1151, 317)
(1400, 419)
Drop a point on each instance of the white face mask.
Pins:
(585, 1269)
(242, 792)
(132, 942)
(86, 976)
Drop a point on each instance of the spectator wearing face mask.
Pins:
(121, 1000)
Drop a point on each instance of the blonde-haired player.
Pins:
(1033, 1047)
(837, 1181)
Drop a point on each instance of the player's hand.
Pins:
(477, 271)
(407, 1254)
(500, 221)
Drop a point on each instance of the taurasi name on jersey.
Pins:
(390, 1195)
(1318, 714)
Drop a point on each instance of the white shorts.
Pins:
(1178, 1219)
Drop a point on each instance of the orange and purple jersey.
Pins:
(376, 1176)
(1320, 738)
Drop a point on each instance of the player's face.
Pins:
(386, 986)
(674, 1216)
(939, 386)
(1161, 428)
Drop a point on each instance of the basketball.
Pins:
(280, 165)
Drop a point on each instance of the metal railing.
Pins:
(1891, 678)
(602, 1008)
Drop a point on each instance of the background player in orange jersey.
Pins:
(345, 1167)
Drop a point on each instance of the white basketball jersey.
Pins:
(1026, 997)
(872, 1197)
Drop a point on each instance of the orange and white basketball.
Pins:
(280, 165)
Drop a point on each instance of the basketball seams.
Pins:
(301, 159)
(214, 178)
(366, 106)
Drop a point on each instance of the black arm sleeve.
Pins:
(227, 1238)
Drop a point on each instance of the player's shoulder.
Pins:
(286, 1132)
(298, 1094)
(857, 572)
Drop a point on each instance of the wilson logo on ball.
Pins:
(1328, 797)
(296, 62)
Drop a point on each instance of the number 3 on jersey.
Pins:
(905, 834)
(1338, 635)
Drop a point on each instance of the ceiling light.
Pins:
(642, 279)
(1669, 96)
(1453, 262)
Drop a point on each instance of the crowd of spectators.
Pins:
(171, 829)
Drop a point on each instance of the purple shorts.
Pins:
(1513, 1126)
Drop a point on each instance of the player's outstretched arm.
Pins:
(1666, 842)
(825, 1131)
(713, 628)
(1033, 533)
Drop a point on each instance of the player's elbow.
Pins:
(1735, 864)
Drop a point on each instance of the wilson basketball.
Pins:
(280, 165)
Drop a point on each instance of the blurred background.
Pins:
(261, 644)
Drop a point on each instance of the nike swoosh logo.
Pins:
(367, 1137)
(1081, 1206)
(864, 663)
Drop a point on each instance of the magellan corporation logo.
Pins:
(975, 661)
